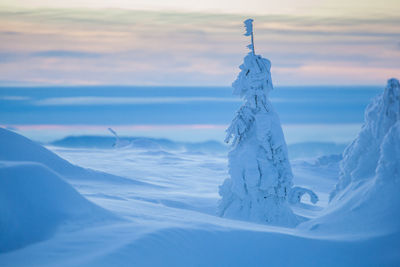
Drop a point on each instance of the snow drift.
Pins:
(14, 147)
(34, 201)
(34, 197)
(366, 198)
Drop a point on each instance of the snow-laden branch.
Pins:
(296, 193)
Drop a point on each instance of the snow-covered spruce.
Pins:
(367, 199)
(360, 158)
(261, 176)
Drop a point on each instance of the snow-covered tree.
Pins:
(366, 198)
(361, 157)
(260, 174)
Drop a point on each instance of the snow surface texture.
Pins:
(369, 182)
(18, 148)
(34, 198)
(261, 176)
(169, 216)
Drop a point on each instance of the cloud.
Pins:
(78, 101)
(65, 54)
(14, 98)
(9, 57)
(111, 46)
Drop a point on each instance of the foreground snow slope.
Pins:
(169, 219)
(34, 201)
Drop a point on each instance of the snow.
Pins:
(366, 198)
(167, 216)
(260, 182)
(360, 158)
(15, 147)
(81, 201)
(296, 193)
(141, 201)
(34, 201)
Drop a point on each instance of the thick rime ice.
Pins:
(360, 158)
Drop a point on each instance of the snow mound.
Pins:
(367, 199)
(14, 147)
(35, 201)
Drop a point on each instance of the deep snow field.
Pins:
(155, 205)
(75, 200)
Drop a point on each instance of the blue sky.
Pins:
(184, 43)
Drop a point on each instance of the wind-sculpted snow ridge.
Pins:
(35, 201)
(366, 200)
(14, 147)
(261, 175)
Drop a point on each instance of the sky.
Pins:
(199, 43)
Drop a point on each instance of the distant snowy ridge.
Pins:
(148, 143)
(366, 198)
(296, 150)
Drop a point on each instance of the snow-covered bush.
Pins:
(261, 176)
